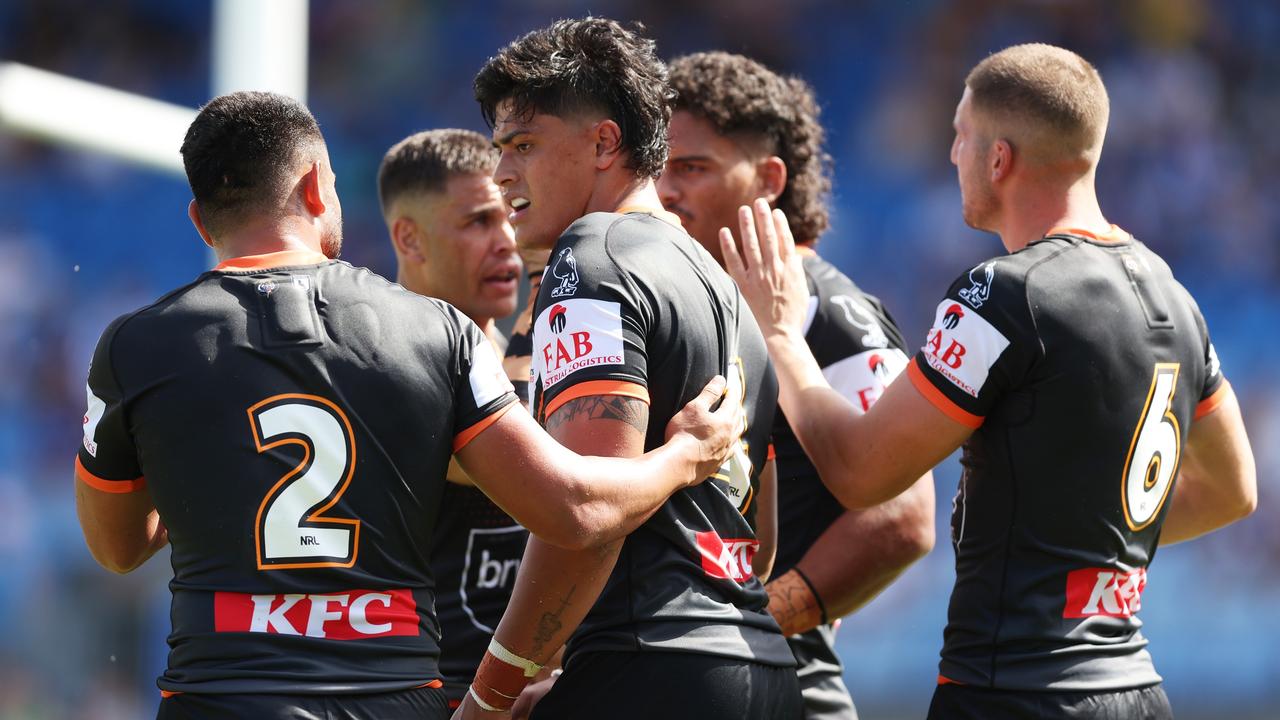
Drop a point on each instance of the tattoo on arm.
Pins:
(549, 623)
(629, 410)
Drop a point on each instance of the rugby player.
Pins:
(632, 314)
(285, 421)
(1080, 379)
(740, 131)
(449, 229)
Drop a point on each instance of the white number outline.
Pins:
(316, 516)
(1153, 420)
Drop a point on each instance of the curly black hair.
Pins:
(738, 95)
(592, 63)
(424, 162)
(239, 149)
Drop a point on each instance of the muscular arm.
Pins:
(863, 459)
(122, 530)
(858, 556)
(578, 502)
(1217, 483)
(556, 586)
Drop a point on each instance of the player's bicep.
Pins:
(611, 425)
(1218, 453)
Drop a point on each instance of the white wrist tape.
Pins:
(483, 705)
(529, 667)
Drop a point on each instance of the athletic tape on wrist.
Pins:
(528, 667)
(484, 705)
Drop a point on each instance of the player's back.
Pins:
(632, 304)
(294, 426)
(1084, 362)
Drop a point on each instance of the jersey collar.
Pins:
(1113, 236)
(265, 261)
(670, 217)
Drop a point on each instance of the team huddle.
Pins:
(701, 445)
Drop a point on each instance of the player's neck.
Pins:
(631, 193)
(1038, 209)
(260, 237)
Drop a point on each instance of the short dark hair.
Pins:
(592, 63)
(738, 95)
(241, 147)
(424, 162)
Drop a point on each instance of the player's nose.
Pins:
(668, 191)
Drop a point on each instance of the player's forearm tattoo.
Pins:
(607, 407)
(793, 605)
(549, 623)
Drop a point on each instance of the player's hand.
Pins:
(530, 697)
(768, 269)
(470, 710)
(712, 434)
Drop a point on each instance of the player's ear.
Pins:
(772, 177)
(608, 138)
(312, 197)
(193, 212)
(1001, 160)
(407, 239)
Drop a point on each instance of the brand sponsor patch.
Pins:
(962, 346)
(575, 334)
(489, 573)
(92, 416)
(726, 558)
(979, 290)
(341, 615)
(1104, 591)
(862, 378)
(565, 271)
(487, 378)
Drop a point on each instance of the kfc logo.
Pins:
(576, 334)
(726, 559)
(557, 319)
(1104, 592)
(963, 352)
(342, 615)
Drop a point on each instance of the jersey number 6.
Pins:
(1153, 453)
(291, 530)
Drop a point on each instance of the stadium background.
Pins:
(1191, 166)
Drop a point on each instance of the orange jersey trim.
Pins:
(461, 439)
(437, 683)
(1114, 235)
(771, 453)
(598, 387)
(1209, 404)
(117, 487)
(939, 400)
(166, 694)
(659, 213)
(944, 680)
(283, 258)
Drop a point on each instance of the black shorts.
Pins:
(670, 686)
(964, 702)
(418, 704)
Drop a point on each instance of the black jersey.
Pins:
(1081, 365)
(631, 305)
(860, 351)
(293, 419)
(477, 552)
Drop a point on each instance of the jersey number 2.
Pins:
(1153, 453)
(291, 530)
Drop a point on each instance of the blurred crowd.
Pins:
(1191, 167)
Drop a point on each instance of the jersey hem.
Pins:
(1215, 399)
(466, 436)
(116, 487)
(938, 399)
(620, 388)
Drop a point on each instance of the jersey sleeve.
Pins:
(861, 348)
(108, 458)
(1215, 388)
(590, 337)
(982, 344)
(482, 391)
